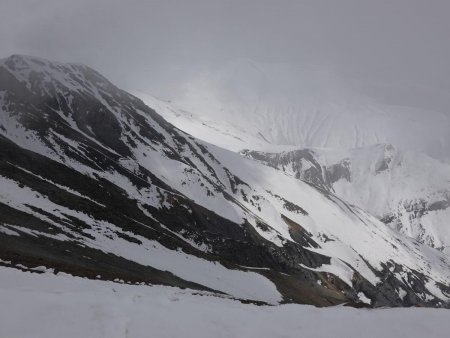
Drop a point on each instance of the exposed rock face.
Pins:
(95, 183)
(301, 163)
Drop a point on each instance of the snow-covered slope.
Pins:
(227, 134)
(284, 105)
(97, 184)
(310, 124)
(409, 191)
(72, 307)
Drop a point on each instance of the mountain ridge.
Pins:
(301, 107)
(95, 183)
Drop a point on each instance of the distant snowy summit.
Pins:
(408, 191)
(277, 104)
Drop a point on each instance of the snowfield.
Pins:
(76, 307)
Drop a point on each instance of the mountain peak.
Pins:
(41, 75)
(306, 107)
(21, 60)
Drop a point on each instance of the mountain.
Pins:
(408, 191)
(387, 159)
(265, 104)
(94, 183)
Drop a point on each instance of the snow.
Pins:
(254, 104)
(337, 268)
(410, 178)
(248, 105)
(355, 233)
(47, 306)
(245, 285)
(410, 189)
(6, 230)
(359, 242)
(69, 190)
(223, 133)
(363, 298)
(54, 74)
(11, 129)
(409, 175)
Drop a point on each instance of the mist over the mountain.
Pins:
(391, 46)
(350, 54)
(285, 105)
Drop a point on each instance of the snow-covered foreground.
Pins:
(46, 305)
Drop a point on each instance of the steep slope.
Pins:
(408, 191)
(216, 130)
(410, 194)
(97, 184)
(278, 104)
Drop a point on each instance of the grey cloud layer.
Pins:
(152, 44)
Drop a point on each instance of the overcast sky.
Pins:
(151, 44)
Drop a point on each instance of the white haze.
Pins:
(394, 53)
